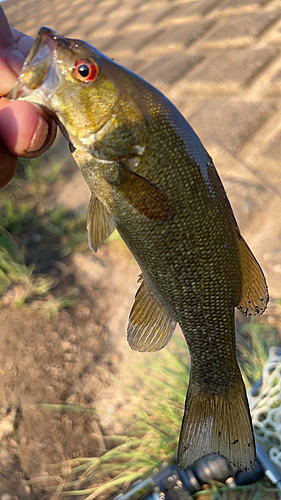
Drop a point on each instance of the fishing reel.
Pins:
(172, 484)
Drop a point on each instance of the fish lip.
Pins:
(47, 37)
(43, 55)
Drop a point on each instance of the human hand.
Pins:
(25, 129)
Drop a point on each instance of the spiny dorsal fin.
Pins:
(254, 296)
(217, 423)
(150, 326)
(99, 224)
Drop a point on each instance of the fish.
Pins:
(152, 179)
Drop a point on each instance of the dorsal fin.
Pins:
(150, 326)
(254, 296)
(99, 224)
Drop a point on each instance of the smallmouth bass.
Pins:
(152, 179)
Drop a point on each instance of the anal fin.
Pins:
(99, 224)
(254, 296)
(217, 423)
(150, 325)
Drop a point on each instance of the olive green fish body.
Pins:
(152, 179)
(194, 250)
(191, 261)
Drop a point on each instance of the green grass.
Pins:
(151, 426)
(253, 342)
(258, 491)
(28, 216)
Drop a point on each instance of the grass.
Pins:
(151, 424)
(253, 342)
(257, 491)
(29, 220)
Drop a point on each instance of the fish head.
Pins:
(84, 91)
(104, 112)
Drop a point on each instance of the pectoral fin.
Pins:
(99, 224)
(145, 197)
(254, 296)
(150, 325)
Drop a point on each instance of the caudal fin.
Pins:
(217, 423)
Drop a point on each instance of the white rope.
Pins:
(266, 408)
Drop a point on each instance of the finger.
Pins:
(6, 37)
(11, 60)
(8, 165)
(25, 129)
(23, 41)
(51, 135)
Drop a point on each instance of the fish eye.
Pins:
(86, 70)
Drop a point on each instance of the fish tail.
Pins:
(217, 423)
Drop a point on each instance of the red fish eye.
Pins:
(86, 70)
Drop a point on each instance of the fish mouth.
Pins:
(40, 75)
(48, 38)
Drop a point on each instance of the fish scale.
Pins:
(152, 179)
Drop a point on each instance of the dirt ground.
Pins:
(58, 360)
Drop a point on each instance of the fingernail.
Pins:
(15, 60)
(39, 136)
